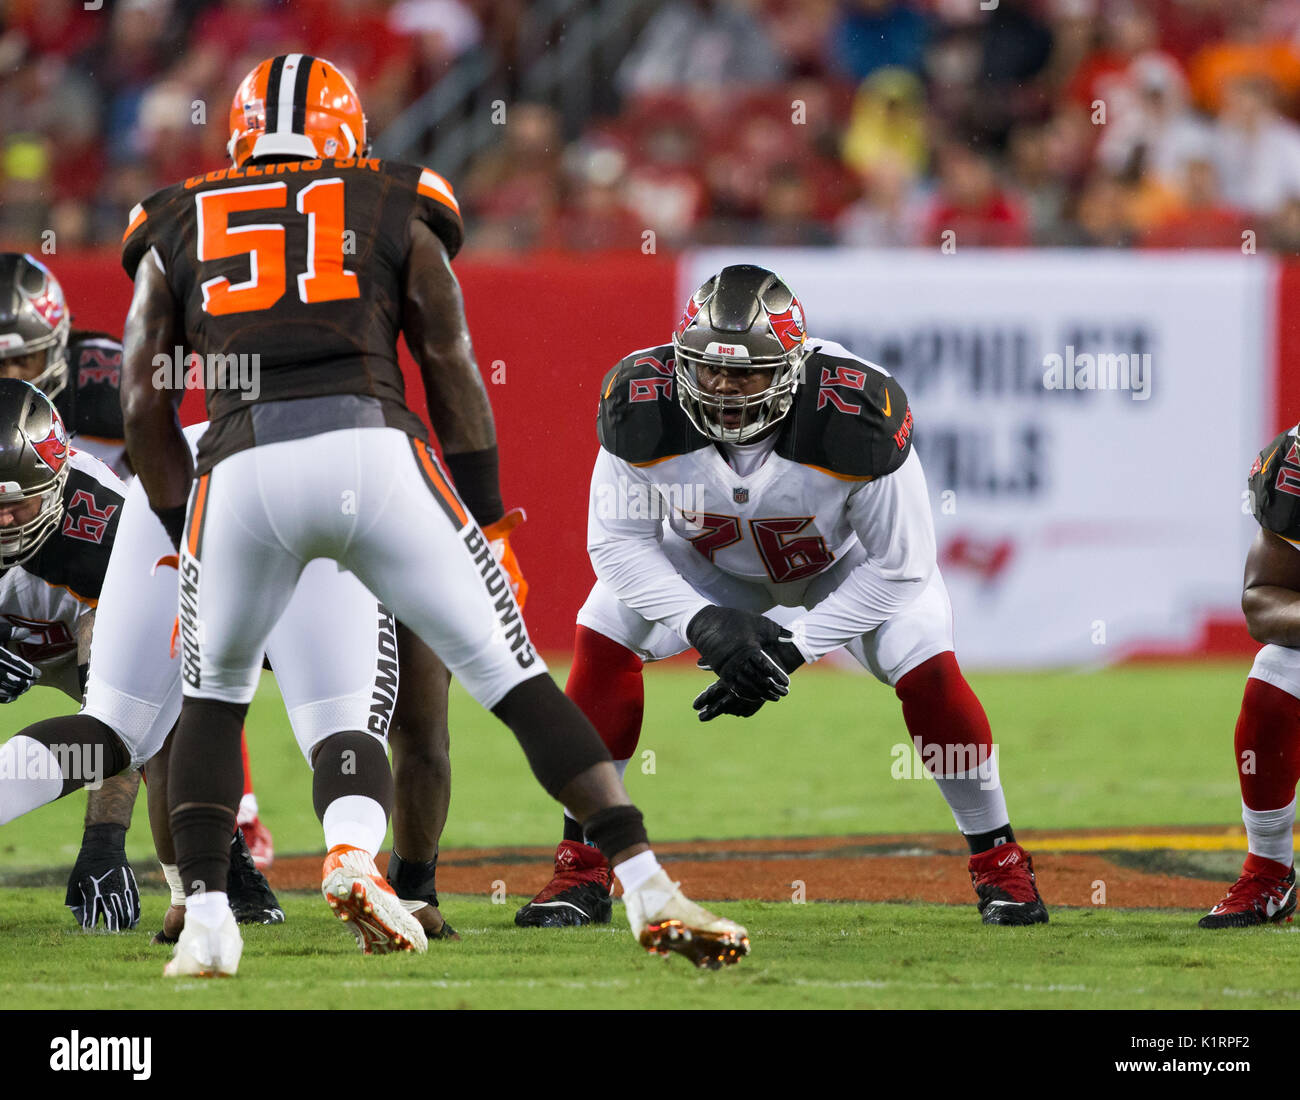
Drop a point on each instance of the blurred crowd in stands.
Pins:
(881, 123)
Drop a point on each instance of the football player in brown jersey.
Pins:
(312, 257)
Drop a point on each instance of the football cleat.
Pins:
(260, 846)
(361, 899)
(577, 894)
(664, 921)
(415, 886)
(251, 898)
(1264, 894)
(1003, 878)
(203, 952)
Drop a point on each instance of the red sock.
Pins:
(1268, 728)
(940, 708)
(248, 772)
(605, 682)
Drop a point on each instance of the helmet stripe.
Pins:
(299, 122)
(272, 96)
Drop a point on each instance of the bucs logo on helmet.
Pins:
(53, 449)
(689, 314)
(787, 326)
(49, 303)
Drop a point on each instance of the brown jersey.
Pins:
(289, 276)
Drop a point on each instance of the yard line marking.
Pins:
(1233, 840)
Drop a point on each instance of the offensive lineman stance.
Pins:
(1267, 739)
(815, 511)
(79, 370)
(326, 461)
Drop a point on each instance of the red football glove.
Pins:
(498, 536)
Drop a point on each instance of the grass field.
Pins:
(1136, 746)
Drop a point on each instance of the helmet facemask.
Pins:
(21, 541)
(743, 318)
(759, 411)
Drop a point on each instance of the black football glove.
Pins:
(731, 643)
(102, 885)
(718, 699)
(16, 675)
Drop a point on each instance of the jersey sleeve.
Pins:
(640, 419)
(625, 542)
(436, 206)
(137, 240)
(891, 517)
(1274, 486)
(849, 419)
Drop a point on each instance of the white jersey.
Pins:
(47, 604)
(838, 474)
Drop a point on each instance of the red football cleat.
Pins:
(258, 838)
(577, 894)
(1003, 878)
(1264, 894)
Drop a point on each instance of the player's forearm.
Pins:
(154, 441)
(1272, 615)
(863, 601)
(642, 577)
(113, 803)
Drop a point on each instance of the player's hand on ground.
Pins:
(16, 675)
(717, 699)
(498, 536)
(731, 642)
(102, 887)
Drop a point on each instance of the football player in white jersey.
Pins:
(80, 372)
(754, 480)
(1266, 741)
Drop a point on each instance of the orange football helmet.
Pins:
(299, 106)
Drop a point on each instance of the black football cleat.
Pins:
(251, 898)
(577, 894)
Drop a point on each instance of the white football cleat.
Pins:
(361, 899)
(203, 952)
(665, 920)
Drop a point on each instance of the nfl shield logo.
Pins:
(740, 496)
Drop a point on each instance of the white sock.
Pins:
(172, 874)
(1268, 832)
(355, 820)
(247, 809)
(975, 797)
(209, 908)
(30, 777)
(633, 873)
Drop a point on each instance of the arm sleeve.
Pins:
(891, 517)
(625, 541)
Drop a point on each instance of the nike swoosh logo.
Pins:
(1008, 859)
(888, 407)
(993, 903)
(1274, 906)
